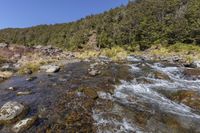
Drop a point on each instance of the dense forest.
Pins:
(139, 23)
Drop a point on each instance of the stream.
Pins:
(136, 96)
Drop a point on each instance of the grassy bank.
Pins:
(188, 52)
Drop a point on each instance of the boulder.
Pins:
(3, 45)
(11, 111)
(5, 74)
(195, 64)
(53, 69)
(50, 68)
(24, 124)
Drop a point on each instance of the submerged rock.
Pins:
(189, 98)
(160, 75)
(24, 124)
(11, 111)
(194, 73)
(90, 93)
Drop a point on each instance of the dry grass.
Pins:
(115, 53)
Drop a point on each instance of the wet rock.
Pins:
(5, 74)
(10, 111)
(31, 78)
(90, 93)
(160, 75)
(12, 88)
(24, 93)
(24, 124)
(94, 72)
(3, 45)
(195, 64)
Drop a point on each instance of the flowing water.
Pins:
(135, 96)
(146, 103)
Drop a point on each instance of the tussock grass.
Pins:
(32, 66)
(115, 53)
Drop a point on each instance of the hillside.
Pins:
(140, 23)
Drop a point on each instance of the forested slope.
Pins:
(140, 23)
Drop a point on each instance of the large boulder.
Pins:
(50, 68)
(11, 111)
(5, 74)
(24, 124)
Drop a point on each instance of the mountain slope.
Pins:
(143, 23)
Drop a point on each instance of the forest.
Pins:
(140, 23)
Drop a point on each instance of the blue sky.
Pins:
(26, 13)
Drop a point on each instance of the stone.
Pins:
(90, 93)
(50, 68)
(195, 64)
(94, 72)
(10, 111)
(3, 45)
(24, 124)
(12, 88)
(24, 93)
(31, 78)
(53, 69)
(5, 74)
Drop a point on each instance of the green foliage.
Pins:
(142, 23)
